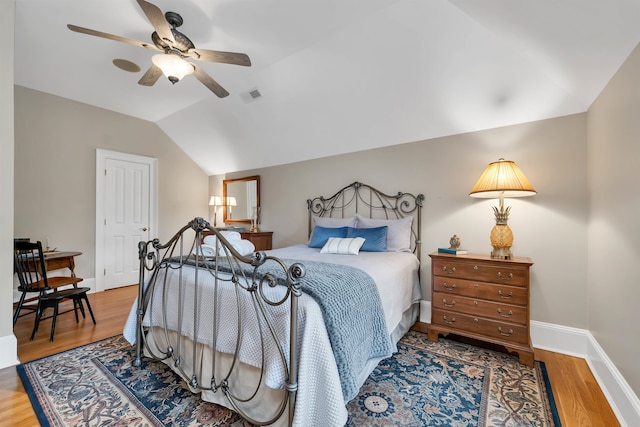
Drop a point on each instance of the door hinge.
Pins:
(105, 272)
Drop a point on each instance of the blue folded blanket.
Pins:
(352, 312)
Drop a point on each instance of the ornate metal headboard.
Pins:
(367, 201)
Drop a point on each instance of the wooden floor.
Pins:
(579, 400)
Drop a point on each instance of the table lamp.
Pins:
(502, 179)
(231, 201)
(215, 201)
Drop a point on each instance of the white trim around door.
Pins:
(101, 159)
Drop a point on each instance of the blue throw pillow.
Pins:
(375, 239)
(320, 235)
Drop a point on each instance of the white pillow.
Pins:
(208, 250)
(328, 222)
(231, 235)
(210, 240)
(398, 231)
(342, 245)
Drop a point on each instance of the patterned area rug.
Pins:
(423, 384)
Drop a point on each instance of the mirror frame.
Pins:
(225, 182)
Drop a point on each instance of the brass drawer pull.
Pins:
(446, 270)
(509, 277)
(505, 296)
(448, 322)
(506, 334)
(509, 314)
(449, 288)
(444, 301)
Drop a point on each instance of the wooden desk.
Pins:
(58, 260)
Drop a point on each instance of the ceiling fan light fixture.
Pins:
(172, 66)
(176, 47)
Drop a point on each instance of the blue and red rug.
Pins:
(423, 384)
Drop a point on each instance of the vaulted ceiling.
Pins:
(335, 76)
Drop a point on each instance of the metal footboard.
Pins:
(259, 282)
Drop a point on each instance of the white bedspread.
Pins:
(395, 274)
(319, 399)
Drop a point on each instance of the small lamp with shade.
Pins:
(499, 180)
(231, 201)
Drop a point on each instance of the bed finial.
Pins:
(199, 224)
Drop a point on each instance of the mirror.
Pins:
(245, 193)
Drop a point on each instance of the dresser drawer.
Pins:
(495, 272)
(480, 307)
(503, 331)
(509, 294)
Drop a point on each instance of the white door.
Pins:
(126, 217)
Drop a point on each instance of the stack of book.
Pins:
(452, 251)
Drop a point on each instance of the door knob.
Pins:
(144, 229)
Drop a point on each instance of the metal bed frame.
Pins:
(366, 200)
(177, 252)
(247, 275)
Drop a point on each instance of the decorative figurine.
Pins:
(454, 242)
(255, 219)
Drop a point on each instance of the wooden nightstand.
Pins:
(483, 298)
(262, 240)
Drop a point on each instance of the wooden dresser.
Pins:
(483, 298)
(262, 240)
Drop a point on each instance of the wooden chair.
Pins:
(32, 273)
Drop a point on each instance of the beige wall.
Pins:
(8, 352)
(550, 227)
(55, 160)
(614, 234)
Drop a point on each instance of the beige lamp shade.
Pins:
(502, 178)
(215, 201)
(231, 201)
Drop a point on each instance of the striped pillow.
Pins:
(342, 245)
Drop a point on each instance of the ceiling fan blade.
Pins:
(151, 76)
(206, 80)
(90, 32)
(157, 19)
(220, 56)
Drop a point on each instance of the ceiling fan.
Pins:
(175, 48)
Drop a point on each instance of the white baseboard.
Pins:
(9, 346)
(425, 311)
(623, 400)
(560, 339)
(581, 343)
